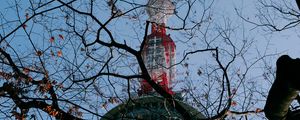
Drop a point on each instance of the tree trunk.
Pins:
(284, 89)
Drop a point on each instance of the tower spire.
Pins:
(159, 11)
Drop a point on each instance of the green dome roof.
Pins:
(149, 108)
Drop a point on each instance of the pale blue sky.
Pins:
(285, 42)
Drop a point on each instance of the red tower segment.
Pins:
(159, 56)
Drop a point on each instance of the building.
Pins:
(158, 55)
(149, 107)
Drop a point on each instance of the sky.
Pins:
(279, 43)
(284, 42)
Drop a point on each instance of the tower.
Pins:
(158, 54)
(159, 49)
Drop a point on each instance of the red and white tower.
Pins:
(159, 49)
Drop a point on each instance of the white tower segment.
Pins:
(159, 10)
